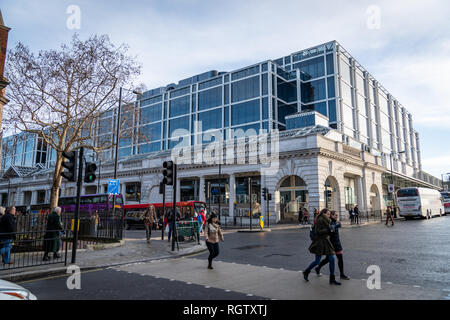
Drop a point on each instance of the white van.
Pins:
(419, 202)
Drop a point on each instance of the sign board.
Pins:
(391, 188)
(113, 186)
(261, 222)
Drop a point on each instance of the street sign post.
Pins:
(391, 188)
(261, 222)
(113, 186)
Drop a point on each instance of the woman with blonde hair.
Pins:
(149, 218)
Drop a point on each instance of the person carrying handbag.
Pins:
(212, 235)
(149, 218)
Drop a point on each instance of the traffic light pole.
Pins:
(267, 209)
(77, 208)
(250, 200)
(174, 225)
(163, 209)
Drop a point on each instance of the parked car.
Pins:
(133, 219)
(12, 291)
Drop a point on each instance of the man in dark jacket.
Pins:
(321, 245)
(7, 234)
(336, 242)
(170, 220)
(52, 234)
(356, 213)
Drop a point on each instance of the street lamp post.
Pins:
(392, 181)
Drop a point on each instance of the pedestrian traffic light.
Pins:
(71, 165)
(89, 172)
(168, 172)
(269, 196)
(265, 193)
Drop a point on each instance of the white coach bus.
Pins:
(419, 202)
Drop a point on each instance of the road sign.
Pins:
(113, 186)
(261, 222)
(391, 188)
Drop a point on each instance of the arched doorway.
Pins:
(293, 196)
(375, 199)
(332, 194)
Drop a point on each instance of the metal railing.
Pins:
(27, 250)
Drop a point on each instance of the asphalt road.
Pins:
(413, 253)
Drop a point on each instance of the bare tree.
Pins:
(60, 94)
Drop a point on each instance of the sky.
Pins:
(404, 44)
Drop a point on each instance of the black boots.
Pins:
(333, 281)
(210, 264)
(306, 274)
(317, 271)
(344, 277)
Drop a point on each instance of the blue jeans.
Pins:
(170, 230)
(317, 262)
(6, 250)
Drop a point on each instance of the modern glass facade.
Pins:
(324, 78)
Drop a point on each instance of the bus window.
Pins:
(187, 214)
(407, 193)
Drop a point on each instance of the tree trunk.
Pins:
(56, 182)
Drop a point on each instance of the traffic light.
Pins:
(269, 196)
(168, 172)
(265, 193)
(71, 165)
(89, 172)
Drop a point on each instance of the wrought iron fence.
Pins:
(32, 237)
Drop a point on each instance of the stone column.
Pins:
(232, 186)
(359, 193)
(201, 192)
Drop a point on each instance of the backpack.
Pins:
(312, 232)
(199, 218)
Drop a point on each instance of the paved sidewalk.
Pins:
(131, 251)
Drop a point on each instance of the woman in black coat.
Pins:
(52, 234)
(336, 242)
(321, 244)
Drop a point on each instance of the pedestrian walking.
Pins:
(351, 215)
(336, 242)
(356, 214)
(316, 213)
(52, 234)
(300, 216)
(149, 218)
(171, 219)
(389, 216)
(212, 235)
(7, 234)
(321, 245)
(305, 216)
(95, 219)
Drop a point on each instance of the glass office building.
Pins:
(324, 78)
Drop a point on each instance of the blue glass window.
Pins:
(313, 91)
(105, 126)
(210, 83)
(227, 93)
(265, 84)
(245, 131)
(150, 133)
(319, 107)
(287, 91)
(265, 126)
(124, 152)
(245, 73)
(194, 103)
(285, 110)
(287, 60)
(264, 67)
(210, 98)
(265, 108)
(311, 69)
(179, 142)
(179, 106)
(332, 110)
(211, 136)
(227, 78)
(150, 114)
(330, 64)
(125, 138)
(179, 123)
(300, 122)
(245, 89)
(245, 112)
(151, 100)
(149, 147)
(211, 119)
(226, 116)
(180, 92)
(279, 61)
(331, 87)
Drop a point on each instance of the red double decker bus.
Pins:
(133, 212)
